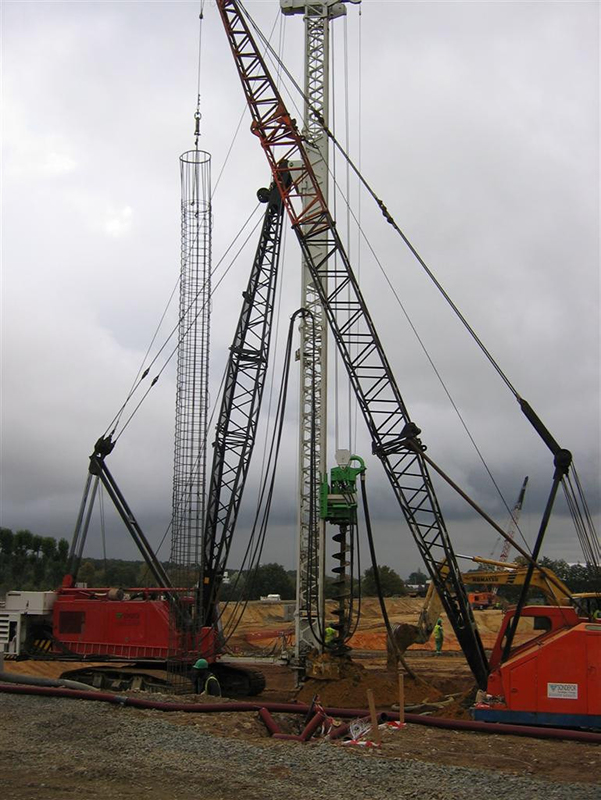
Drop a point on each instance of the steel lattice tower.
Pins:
(191, 416)
(313, 345)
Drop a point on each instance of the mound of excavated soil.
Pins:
(351, 690)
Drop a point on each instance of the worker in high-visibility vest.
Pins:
(204, 680)
(438, 634)
(330, 636)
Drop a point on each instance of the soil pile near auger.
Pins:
(350, 690)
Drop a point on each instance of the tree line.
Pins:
(29, 562)
(38, 563)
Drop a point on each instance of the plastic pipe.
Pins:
(269, 721)
(308, 732)
(38, 680)
(536, 732)
(298, 708)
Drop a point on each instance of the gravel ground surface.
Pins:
(58, 749)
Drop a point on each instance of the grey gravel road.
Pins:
(58, 749)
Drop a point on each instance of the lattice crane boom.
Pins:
(394, 436)
(241, 402)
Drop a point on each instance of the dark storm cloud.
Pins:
(479, 129)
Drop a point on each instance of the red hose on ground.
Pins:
(270, 723)
(298, 708)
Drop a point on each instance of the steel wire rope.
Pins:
(332, 172)
(258, 547)
(588, 543)
(200, 21)
(184, 334)
(389, 218)
(433, 366)
(194, 468)
(359, 195)
(102, 528)
(263, 484)
(270, 392)
(114, 422)
(347, 132)
(254, 548)
(591, 534)
(117, 417)
(376, 572)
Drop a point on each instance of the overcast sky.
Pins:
(477, 123)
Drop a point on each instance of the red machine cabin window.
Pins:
(71, 621)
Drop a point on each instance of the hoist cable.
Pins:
(332, 172)
(387, 216)
(112, 426)
(376, 574)
(197, 114)
(200, 20)
(256, 541)
(588, 540)
(191, 323)
(434, 368)
(587, 522)
(272, 372)
(102, 529)
(195, 466)
(272, 463)
(359, 197)
(390, 219)
(115, 421)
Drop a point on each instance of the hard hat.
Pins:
(439, 621)
(202, 663)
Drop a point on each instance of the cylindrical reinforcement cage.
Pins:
(192, 398)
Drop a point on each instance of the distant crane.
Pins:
(513, 524)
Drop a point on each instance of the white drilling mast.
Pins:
(310, 602)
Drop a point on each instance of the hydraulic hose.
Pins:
(301, 708)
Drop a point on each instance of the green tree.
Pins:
(390, 582)
(48, 547)
(417, 578)
(7, 538)
(269, 579)
(63, 550)
(234, 589)
(87, 574)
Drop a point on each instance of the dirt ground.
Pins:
(442, 688)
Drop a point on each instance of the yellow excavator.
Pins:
(554, 590)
